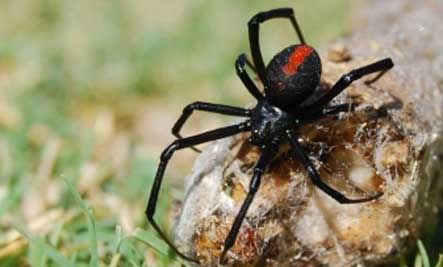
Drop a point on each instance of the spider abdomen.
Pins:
(293, 74)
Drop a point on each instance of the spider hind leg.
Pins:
(315, 177)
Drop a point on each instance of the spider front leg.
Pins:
(267, 155)
(248, 62)
(203, 106)
(167, 154)
(381, 66)
(254, 39)
(315, 177)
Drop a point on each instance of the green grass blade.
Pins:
(90, 223)
(37, 253)
(423, 254)
(115, 260)
(440, 261)
(418, 262)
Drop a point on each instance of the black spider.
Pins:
(289, 80)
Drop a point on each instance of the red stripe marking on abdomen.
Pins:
(296, 58)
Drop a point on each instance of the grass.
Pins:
(82, 87)
(440, 261)
(422, 257)
(92, 234)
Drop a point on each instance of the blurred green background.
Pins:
(88, 93)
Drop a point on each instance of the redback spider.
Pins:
(290, 78)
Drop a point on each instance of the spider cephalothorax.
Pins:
(289, 80)
(267, 122)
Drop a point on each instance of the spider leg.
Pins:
(315, 177)
(371, 81)
(331, 110)
(167, 154)
(267, 155)
(253, 27)
(203, 106)
(380, 66)
(244, 77)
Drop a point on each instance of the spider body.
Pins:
(289, 80)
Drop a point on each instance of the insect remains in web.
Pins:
(289, 80)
